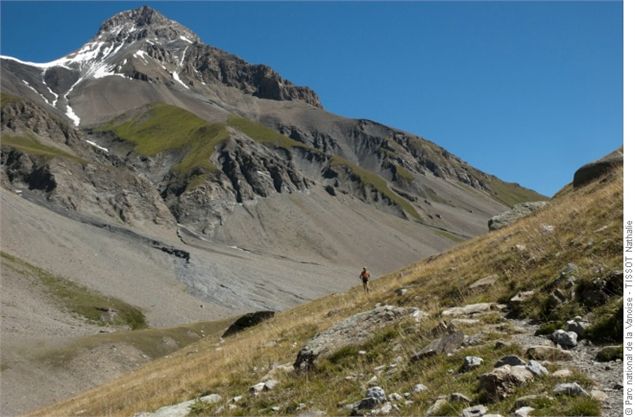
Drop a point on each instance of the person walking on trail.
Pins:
(365, 277)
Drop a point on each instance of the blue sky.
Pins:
(527, 91)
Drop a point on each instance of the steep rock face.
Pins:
(596, 169)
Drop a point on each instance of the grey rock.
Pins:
(475, 411)
(565, 339)
(548, 353)
(523, 412)
(445, 344)
(467, 310)
(562, 373)
(419, 388)
(437, 407)
(395, 397)
(599, 395)
(572, 389)
(471, 362)
(517, 212)
(536, 368)
(351, 331)
(376, 393)
(500, 382)
(521, 298)
(511, 360)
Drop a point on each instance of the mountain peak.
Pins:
(144, 23)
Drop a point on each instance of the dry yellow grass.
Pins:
(228, 368)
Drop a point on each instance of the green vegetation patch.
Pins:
(169, 128)
(30, 145)
(8, 99)
(378, 183)
(263, 134)
(404, 173)
(82, 301)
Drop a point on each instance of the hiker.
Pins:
(365, 276)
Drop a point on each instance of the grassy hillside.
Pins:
(526, 256)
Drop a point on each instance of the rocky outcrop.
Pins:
(351, 331)
(248, 320)
(517, 212)
(594, 170)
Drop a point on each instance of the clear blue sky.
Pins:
(525, 91)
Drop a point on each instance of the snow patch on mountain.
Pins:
(178, 79)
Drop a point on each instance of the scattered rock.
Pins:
(548, 353)
(562, 373)
(395, 396)
(536, 368)
(609, 353)
(511, 360)
(471, 362)
(547, 229)
(523, 412)
(385, 409)
(475, 411)
(517, 212)
(598, 395)
(502, 381)
(572, 389)
(457, 397)
(419, 388)
(467, 310)
(267, 385)
(350, 331)
(437, 407)
(565, 339)
(401, 291)
(445, 344)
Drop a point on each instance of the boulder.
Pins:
(475, 411)
(438, 406)
(517, 212)
(594, 170)
(353, 330)
(500, 382)
(471, 362)
(563, 373)
(468, 310)
(521, 298)
(248, 320)
(565, 339)
(536, 368)
(511, 360)
(572, 389)
(548, 353)
(444, 344)
(523, 412)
